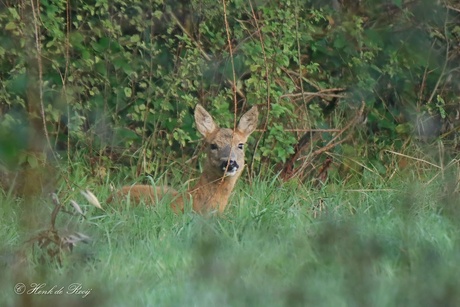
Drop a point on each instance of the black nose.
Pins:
(229, 165)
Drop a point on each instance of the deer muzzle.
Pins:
(229, 167)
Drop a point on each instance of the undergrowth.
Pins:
(388, 243)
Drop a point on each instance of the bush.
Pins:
(116, 76)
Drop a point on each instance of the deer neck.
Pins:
(212, 192)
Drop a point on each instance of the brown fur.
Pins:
(223, 167)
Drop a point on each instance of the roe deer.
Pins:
(224, 165)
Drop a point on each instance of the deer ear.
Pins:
(204, 122)
(248, 121)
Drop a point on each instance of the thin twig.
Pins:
(412, 158)
(267, 77)
(203, 53)
(452, 8)
(312, 130)
(441, 75)
(235, 102)
(333, 142)
(322, 93)
(40, 71)
(351, 123)
(230, 50)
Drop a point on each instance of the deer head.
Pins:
(225, 147)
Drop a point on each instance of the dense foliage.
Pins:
(113, 77)
(350, 92)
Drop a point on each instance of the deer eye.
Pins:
(240, 146)
(213, 147)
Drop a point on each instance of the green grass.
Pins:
(392, 244)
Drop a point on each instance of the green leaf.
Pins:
(128, 91)
(10, 26)
(102, 45)
(135, 38)
(403, 128)
(14, 13)
(398, 3)
(32, 160)
(126, 134)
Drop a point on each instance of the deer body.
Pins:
(223, 167)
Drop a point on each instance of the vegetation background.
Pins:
(353, 175)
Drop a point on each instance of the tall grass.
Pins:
(390, 243)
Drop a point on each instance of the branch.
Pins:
(203, 53)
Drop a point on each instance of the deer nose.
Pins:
(230, 166)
